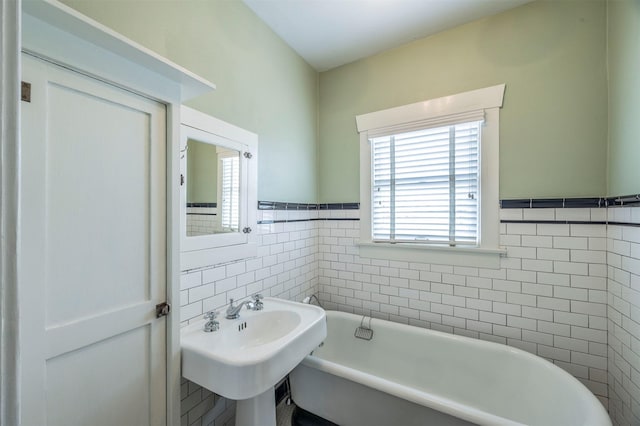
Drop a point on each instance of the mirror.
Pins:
(218, 193)
(213, 189)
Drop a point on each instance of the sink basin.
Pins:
(262, 329)
(247, 356)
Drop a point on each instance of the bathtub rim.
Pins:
(597, 414)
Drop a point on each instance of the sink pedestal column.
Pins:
(259, 410)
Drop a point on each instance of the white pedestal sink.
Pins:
(259, 410)
(247, 356)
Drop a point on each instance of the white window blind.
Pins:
(230, 192)
(425, 185)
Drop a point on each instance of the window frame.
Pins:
(432, 113)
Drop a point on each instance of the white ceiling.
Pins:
(330, 33)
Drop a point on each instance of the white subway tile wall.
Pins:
(623, 259)
(567, 292)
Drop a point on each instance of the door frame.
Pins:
(50, 29)
(10, 37)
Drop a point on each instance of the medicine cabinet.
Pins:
(218, 176)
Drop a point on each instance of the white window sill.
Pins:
(457, 256)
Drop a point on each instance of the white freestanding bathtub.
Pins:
(408, 375)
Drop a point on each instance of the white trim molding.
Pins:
(432, 113)
(10, 36)
(474, 100)
(51, 26)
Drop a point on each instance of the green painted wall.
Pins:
(624, 97)
(551, 55)
(553, 127)
(262, 84)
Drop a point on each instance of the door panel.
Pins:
(93, 252)
(91, 198)
(102, 379)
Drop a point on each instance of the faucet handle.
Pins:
(211, 315)
(257, 302)
(211, 324)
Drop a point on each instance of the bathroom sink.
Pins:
(247, 356)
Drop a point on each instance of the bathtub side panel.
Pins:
(348, 403)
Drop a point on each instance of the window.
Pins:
(425, 185)
(429, 175)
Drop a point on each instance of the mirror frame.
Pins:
(206, 250)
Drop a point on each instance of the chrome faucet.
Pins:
(257, 302)
(233, 311)
(211, 324)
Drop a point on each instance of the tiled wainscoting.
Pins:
(568, 290)
(623, 261)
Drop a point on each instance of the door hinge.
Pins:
(25, 91)
(246, 230)
(248, 155)
(181, 179)
(162, 309)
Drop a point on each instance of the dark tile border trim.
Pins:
(532, 203)
(551, 203)
(557, 222)
(522, 203)
(277, 205)
(202, 204)
(339, 206)
(626, 200)
(637, 225)
(267, 222)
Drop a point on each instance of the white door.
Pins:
(92, 252)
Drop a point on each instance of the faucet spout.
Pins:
(233, 311)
